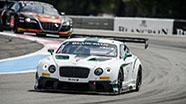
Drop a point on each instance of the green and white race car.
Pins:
(91, 64)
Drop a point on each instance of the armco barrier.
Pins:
(92, 22)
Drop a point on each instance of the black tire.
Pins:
(120, 81)
(41, 34)
(37, 86)
(15, 29)
(1, 27)
(139, 79)
(63, 36)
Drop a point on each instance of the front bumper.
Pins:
(44, 27)
(55, 84)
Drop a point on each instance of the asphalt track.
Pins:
(164, 79)
(13, 46)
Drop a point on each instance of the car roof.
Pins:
(102, 40)
(36, 2)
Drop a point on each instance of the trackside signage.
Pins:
(179, 27)
(144, 26)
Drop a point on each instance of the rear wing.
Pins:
(121, 39)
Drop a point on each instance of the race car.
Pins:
(37, 17)
(91, 64)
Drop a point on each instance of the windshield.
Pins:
(88, 48)
(38, 8)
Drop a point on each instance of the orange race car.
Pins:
(37, 17)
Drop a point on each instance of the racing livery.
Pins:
(37, 17)
(91, 64)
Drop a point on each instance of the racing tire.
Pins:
(41, 34)
(37, 86)
(138, 79)
(63, 36)
(120, 81)
(15, 29)
(1, 27)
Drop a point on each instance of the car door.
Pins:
(10, 14)
(127, 59)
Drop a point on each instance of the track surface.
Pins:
(164, 80)
(13, 46)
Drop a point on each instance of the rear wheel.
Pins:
(139, 79)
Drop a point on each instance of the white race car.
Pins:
(91, 64)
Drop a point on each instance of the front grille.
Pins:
(76, 72)
(50, 26)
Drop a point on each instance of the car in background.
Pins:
(38, 17)
(91, 64)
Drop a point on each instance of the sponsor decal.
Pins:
(143, 26)
(104, 78)
(73, 79)
(46, 74)
(143, 23)
(144, 31)
(180, 32)
(56, 25)
(179, 27)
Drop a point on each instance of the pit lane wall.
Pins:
(132, 25)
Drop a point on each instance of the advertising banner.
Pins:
(144, 26)
(179, 27)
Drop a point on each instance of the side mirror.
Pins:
(127, 55)
(51, 51)
(62, 13)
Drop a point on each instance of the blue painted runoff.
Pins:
(22, 64)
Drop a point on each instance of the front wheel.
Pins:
(1, 27)
(37, 86)
(41, 34)
(119, 84)
(139, 79)
(15, 29)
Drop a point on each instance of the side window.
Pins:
(122, 51)
(15, 7)
(126, 49)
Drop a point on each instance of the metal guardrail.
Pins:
(100, 23)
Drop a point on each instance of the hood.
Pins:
(81, 60)
(45, 17)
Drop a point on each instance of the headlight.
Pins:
(98, 71)
(108, 70)
(66, 23)
(45, 66)
(52, 69)
(28, 20)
